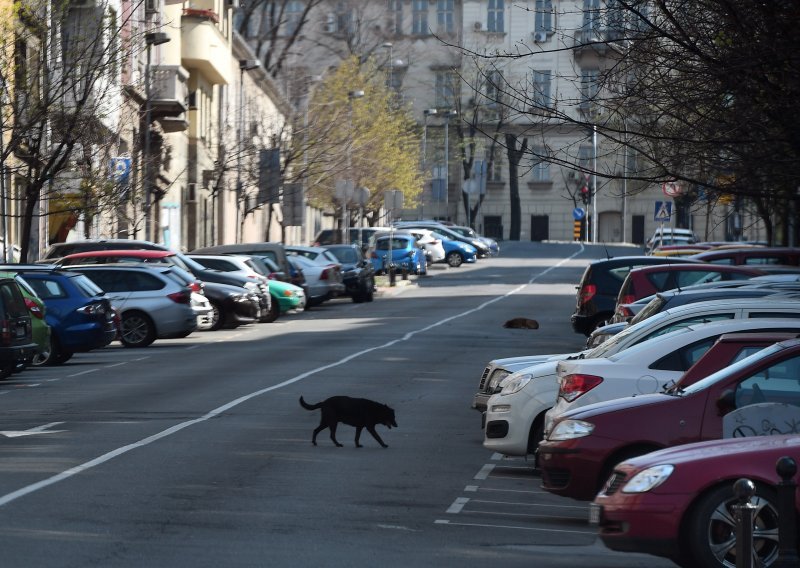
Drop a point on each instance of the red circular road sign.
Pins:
(671, 188)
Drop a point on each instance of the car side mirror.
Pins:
(726, 402)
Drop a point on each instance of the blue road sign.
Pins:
(663, 211)
(578, 213)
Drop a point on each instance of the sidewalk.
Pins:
(382, 283)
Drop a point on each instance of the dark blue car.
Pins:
(405, 254)
(79, 314)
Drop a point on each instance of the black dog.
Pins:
(358, 412)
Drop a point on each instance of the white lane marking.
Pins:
(497, 457)
(471, 489)
(4, 392)
(548, 505)
(116, 364)
(86, 372)
(31, 431)
(397, 528)
(485, 471)
(457, 505)
(66, 474)
(193, 346)
(485, 525)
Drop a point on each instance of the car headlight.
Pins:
(648, 479)
(252, 286)
(497, 376)
(515, 383)
(570, 429)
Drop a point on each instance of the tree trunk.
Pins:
(514, 157)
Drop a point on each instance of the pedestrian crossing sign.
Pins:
(663, 211)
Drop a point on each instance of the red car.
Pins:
(753, 256)
(647, 280)
(585, 444)
(677, 502)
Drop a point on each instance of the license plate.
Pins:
(595, 512)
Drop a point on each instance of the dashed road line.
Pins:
(485, 471)
(486, 525)
(86, 372)
(457, 505)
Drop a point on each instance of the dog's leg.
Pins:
(371, 430)
(317, 430)
(358, 435)
(333, 434)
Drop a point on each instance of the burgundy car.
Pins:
(678, 502)
(585, 444)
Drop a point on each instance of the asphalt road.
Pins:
(196, 453)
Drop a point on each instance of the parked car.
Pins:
(647, 280)
(275, 252)
(358, 273)
(322, 283)
(80, 316)
(515, 417)
(16, 341)
(584, 445)
(494, 248)
(679, 502)
(482, 248)
(431, 242)
(456, 253)
(402, 251)
(58, 250)
(669, 236)
(648, 367)
(751, 255)
(152, 302)
(600, 285)
(358, 235)
(40, 330)
(287, 295)
(231, 306)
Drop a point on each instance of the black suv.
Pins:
(358, 274)
(16, 333)
(600, 285)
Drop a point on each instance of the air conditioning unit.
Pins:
(477, 26)
(152, 6)
(191, 193)
(539, 37)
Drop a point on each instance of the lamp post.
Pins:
(447, 115)
(594, 183)
(390, 80)
(244, 65)
(349, 185)
(150, 39)
(425, 114)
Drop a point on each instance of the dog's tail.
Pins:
(307, 406)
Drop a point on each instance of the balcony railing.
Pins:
(201, 13)
(168, 90)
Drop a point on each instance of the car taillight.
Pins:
(625, 312)
(627, 299)
(196, 286)
(325, 274)
(573, 386)
(92, 309)
(587, 293)
(5, 331)
(182, 297)
(34, 308)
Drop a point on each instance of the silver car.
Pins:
(153, 302)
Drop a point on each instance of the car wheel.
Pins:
(216, 318)
(6, 369)
(274, 311)
(137, 330)
(370, 290)
(454, 259)
(53, 355)
(711, 536)
(360, 295)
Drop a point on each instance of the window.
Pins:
(541, 167)
(396, 16)
(495, 18)
(589, 85)
(494, 167)
(684, 357)
(591, 15)
(47, 289)
(543, 21)
(541, 97)
(777, 383)
(419, 21)
(686, 323)
(444, 16)
(344, 18)
(494, 94)
(294, 16)
(445, 88)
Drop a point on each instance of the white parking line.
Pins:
(485, 471)
(517, 503)
(116, 364)
(66, 474)
(471, 489)
(86, 372)
(457, 505)
(485, 525)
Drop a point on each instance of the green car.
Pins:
(40, 329)
(286, 295)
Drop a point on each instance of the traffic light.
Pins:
(585, 194)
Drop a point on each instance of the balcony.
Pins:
(203, 47)
(168, 91)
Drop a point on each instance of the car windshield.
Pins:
(345, 254)
(636, 350)
(731, 369)
(653, 307)
(187, 263)
(610, 344)
(87, 286)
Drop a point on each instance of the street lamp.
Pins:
(150, 39)
(244, 65)
(594, 184)
(425, 114)
(447, 115)
(388, 45)
(349, 185)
